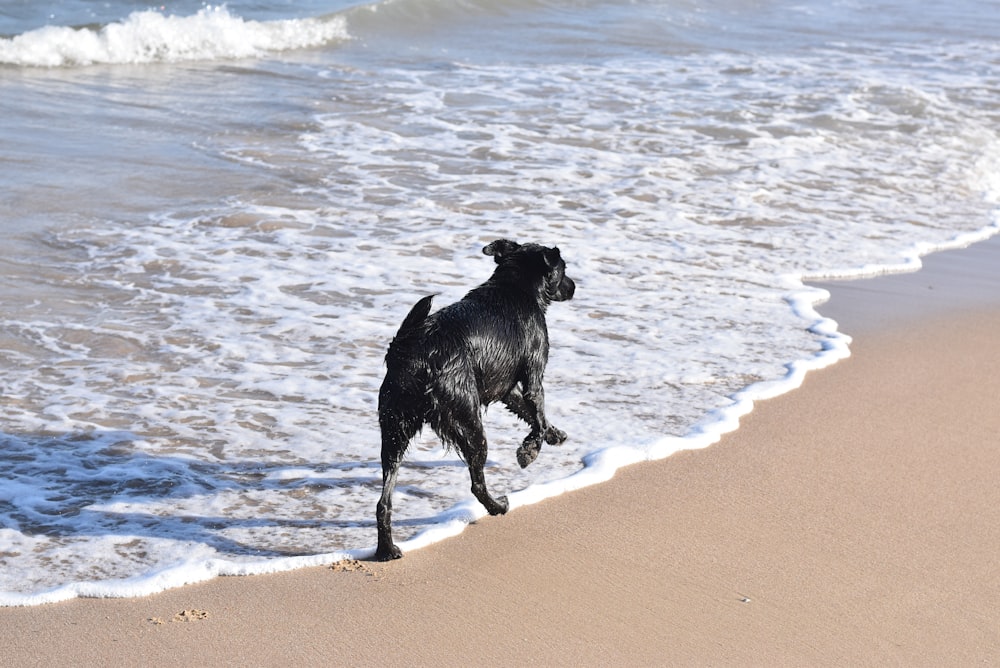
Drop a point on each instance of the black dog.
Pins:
(491, 346)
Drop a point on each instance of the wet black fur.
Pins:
(443, 368)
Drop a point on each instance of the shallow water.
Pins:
(217, 218)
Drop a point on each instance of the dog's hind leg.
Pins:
(475, 459)
(386, 549)
(397, 430)
(457, 419)
(466, 432)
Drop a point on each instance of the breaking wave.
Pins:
(150, 36)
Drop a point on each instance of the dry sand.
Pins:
(855, 521)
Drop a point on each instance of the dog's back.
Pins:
(479, 346)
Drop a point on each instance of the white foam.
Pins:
(150, 36)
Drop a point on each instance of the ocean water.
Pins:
(216, 216)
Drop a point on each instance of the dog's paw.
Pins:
(555, 436)
(501, 506)
(528, 451)
(387, 553)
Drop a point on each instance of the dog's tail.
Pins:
(415, 317)
(406, 338)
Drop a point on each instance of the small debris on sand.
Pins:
(352, 566)
(190, 615)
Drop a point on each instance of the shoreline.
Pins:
(851, 521)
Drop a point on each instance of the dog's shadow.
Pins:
(67, 486)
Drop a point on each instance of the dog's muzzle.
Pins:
(565, 291)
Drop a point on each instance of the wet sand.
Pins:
(855, 521)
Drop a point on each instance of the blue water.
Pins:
(216, 217)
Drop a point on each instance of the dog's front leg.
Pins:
(532, 405)
(532, 445)
(515, 403)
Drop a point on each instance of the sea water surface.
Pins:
(216, 216)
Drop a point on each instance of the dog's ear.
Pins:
(501, 248)
(552, 257)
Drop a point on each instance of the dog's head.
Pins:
(542, 267)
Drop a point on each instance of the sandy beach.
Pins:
(852, 522)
